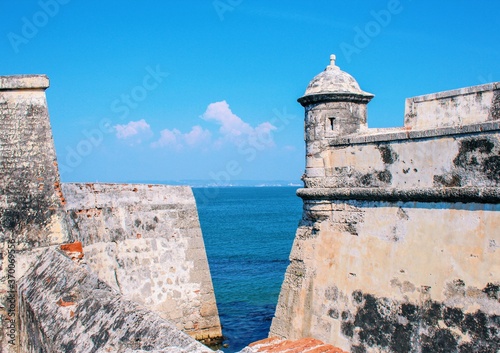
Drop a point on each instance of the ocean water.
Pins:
(248, 234)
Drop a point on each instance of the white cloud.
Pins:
(137, 129)
(176, 139)
(232, 126)
(232, 130)
(235, 130)
(168, 138)
(197, 136)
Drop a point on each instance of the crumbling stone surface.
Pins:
(66, 308)
(145, 241)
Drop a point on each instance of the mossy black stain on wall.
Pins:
(383, 177)
(470, 151)
(476, 156)
(434, 327)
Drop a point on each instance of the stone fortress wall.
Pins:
(145, 241)
(398, 248)
(143, 260)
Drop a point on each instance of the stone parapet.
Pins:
(463, 106)
(66, 308)
(444, 161)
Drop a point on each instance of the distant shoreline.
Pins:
(208, 183)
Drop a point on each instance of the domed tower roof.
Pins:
(334, 84)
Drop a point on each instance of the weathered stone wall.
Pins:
(66, 308)
(394, 276)
(30, 190)
(446, 158)
(31, 214)
(398, 248)
(145, 241)
(464, 106)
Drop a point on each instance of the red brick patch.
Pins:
(62, 303)
(73, 250)
(306, 345)
(72, 247)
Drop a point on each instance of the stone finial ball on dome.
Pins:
(332, 61)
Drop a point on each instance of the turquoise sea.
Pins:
(248, 233)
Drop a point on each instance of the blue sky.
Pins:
(182, 90)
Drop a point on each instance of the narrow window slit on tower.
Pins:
(331, 122)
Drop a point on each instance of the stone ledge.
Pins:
(19, 82)
(101, 195)
(405, 134)
(451, 194)
(335, 97)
